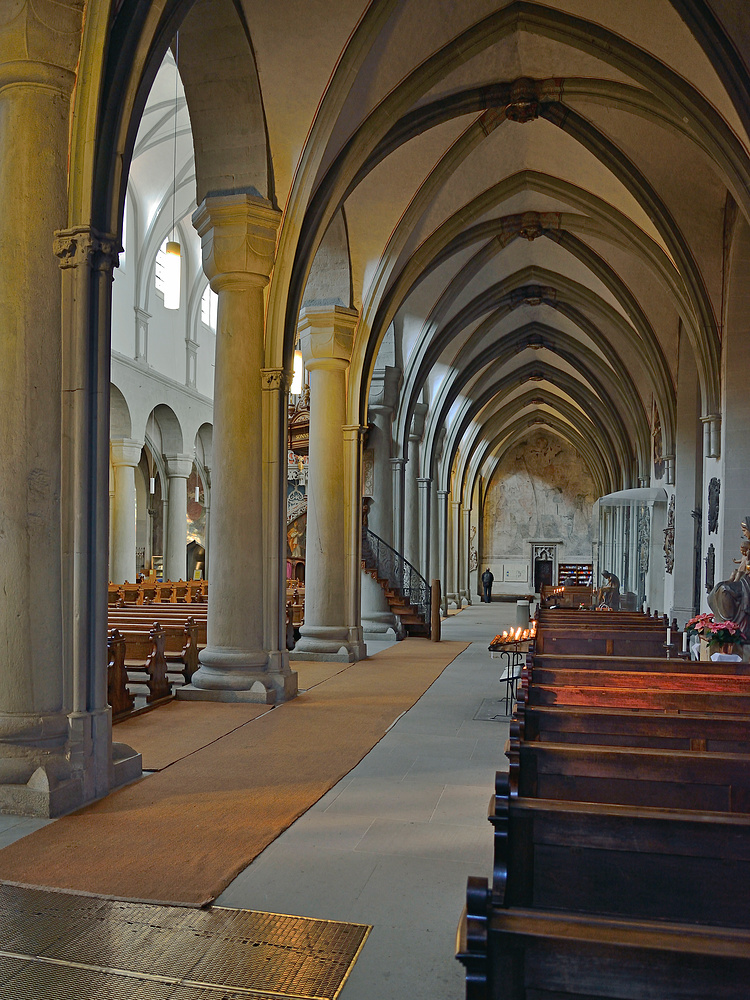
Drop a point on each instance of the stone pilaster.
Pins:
(443, 545)
(397, 468)
(465, 536)
(141, 335)
(425, 495)
(326, 337)
(179, 468)
(275, 384)
(238, 239)
(411, 489)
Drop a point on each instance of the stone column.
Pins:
(179, 468)
(238, 237)
(39, 56)
(443, 545)
(465, 548)
(126, 455)
(378, 621)
(326, 336)
(425, 494)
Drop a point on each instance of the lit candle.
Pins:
(685, 641)
(669, 636)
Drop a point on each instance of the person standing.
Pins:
(487, 580)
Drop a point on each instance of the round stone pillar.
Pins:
(378, 621)
(126, 455)
(425, 493)
(37, 81)
(238, 238)
(179, 468)
(326, 336)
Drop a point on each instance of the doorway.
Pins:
(542, 574)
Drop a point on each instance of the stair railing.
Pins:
(398, 572)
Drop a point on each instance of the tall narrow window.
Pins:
(209, 306)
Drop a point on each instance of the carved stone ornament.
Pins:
(523, 105)
(473, 554)
(274, 379)
(714, 489)
(710, 567)
(669, 537)
(644, 538)
(84, 246)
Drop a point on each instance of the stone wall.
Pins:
(541, 491)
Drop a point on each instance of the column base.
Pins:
(382, 625)
(321, 642)
(357, 642)
(227, 674)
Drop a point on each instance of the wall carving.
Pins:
(714, 489)
(541, 490)
(644, 538)
(669, 537)
(710, 568)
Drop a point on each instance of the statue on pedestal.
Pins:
(730, 599)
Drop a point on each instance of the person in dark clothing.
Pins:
(487, 580)
(609, 592)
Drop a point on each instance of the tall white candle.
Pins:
(685, 641)
(669, 636)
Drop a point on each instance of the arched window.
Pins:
(160, 268)
(209, 305)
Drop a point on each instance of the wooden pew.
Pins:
(119, 698)
(615, 859)
(615, 641)
(527, 954)
(144, 656)
(171, 616)
(725, 733)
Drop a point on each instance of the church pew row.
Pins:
(151, 591)
(638, 664)
(148, 656)
(173, 616)
(636, 831)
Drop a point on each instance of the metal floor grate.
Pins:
(56, 945)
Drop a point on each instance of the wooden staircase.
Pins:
(386, 566)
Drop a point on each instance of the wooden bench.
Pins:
(527, 954)
(171, 616)
(144, 656)
(614, 641)
(622, 860)
(725, 733)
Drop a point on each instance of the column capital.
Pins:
(275, 379)
(443, 494)
(424, 482)
(384, 389)
(238, 239)
(326, 336)
(179, 466)
(397, 463)
(84, 246)
(417, 422)
(125, 451)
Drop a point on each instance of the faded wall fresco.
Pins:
(541, 490)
